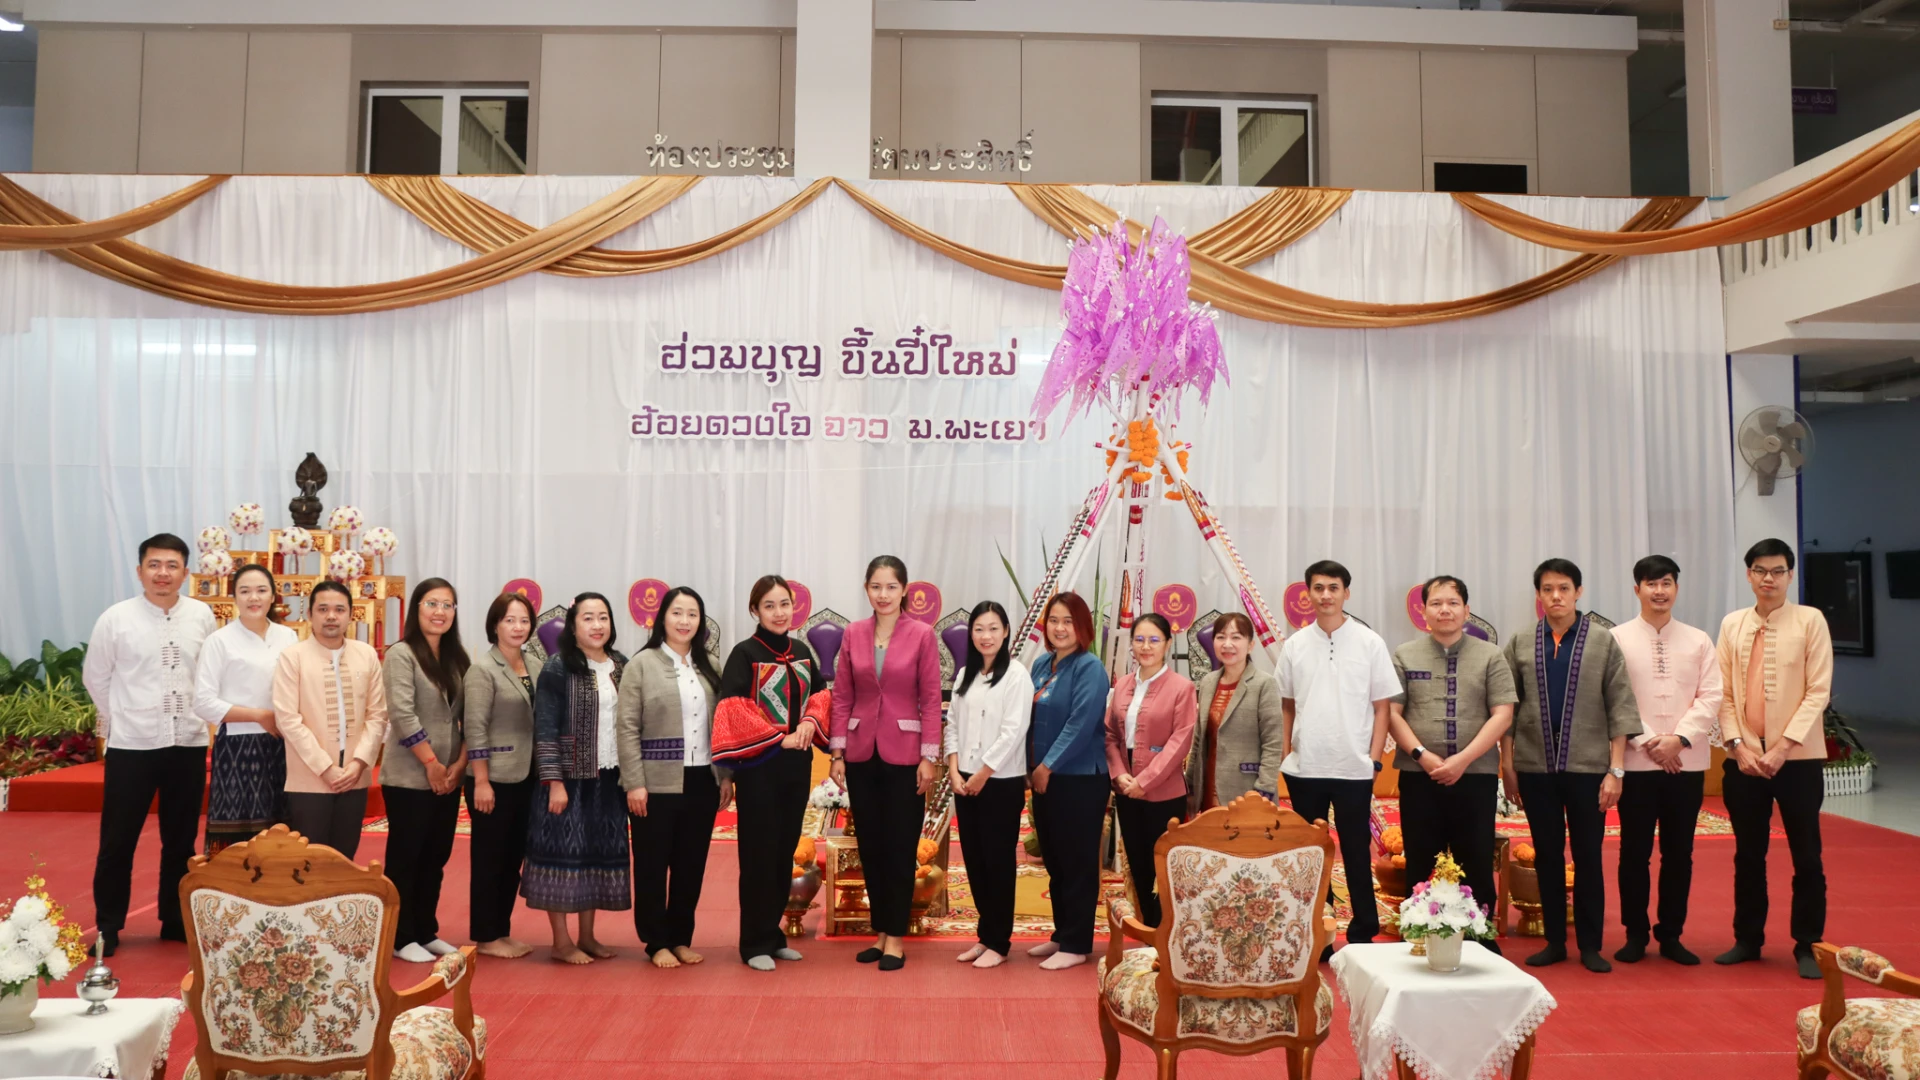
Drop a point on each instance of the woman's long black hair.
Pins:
(974, 660)
(570, 652)
(658, 639)
(447, 669)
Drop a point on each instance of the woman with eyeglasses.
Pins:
(1149, 731)
(578, 861)
(424, 764)
(233, 688)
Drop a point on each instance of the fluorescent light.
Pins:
(8, 25)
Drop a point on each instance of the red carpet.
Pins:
(79, 788)
(1652, 1021)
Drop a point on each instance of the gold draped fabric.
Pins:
(1837, 191)
(1229, 288)
(17, 235)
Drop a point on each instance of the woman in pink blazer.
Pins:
(885, 739)
(1150, 721)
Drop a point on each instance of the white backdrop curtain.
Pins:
(491, 431)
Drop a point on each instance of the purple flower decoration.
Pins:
(1466, 890)
(1433, 907)
(1129, 324)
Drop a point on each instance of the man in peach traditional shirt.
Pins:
(1776, 659)
(1676, 681)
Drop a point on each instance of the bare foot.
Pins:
(520, 948)
(596, 950)
(665, 959)
(686, 955)
(571, 955)
(503, 948)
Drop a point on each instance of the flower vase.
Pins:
(16, 1007)
(1443, 953)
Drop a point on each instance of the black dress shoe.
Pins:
(1631, 953)
(1326, 954)
(1809, 966)
(109, 942)
(1552, 954)
(892, 963)
(173, 934)
(1739, 954)
(869, 955)
(1594, 962)
(1678, 953)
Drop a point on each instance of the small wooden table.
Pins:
(128, 1041)
(1453, 1023)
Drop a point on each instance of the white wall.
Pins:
(1757, 380)
(1854, 489)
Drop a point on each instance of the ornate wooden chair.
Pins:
(1865, 1038)
(291, 946)
(1233, 966)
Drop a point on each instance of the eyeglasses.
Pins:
(1765, 574)
(437, 605)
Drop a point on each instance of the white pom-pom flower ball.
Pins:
(345, 565)
(247, 518)
(57, 964)
(15, 967)
(28, 910)
(296, 541)
(216, 563)
(214, 538)
(346, 519)
(379, 541)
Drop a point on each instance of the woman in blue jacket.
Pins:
(1068, 772)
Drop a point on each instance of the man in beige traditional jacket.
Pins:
(330, 701)
(1776, 659)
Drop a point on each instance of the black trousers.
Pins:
(990, 843)
(1563, 810)
(1651, 798)
(1352, 805)
(771, 799)
(1068, 819)
(887, 811)
(497, 849)
(178, 775)
(1456, 818)
(1142, 823)
(328, 818)
(420, 828)
(1799, 787)
(670, 859)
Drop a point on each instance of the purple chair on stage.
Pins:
(549, 635)
(1205, 637)
(955, 639)
(825, 639)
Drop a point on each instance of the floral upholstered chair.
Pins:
(1864, 1038)
(291, 946)
(1233, 966)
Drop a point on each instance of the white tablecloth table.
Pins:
(1463, 1025)
(128, 1042)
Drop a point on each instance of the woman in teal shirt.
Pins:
(1068, 758)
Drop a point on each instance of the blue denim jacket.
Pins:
(1068, 734)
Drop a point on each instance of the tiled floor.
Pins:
(1894, 802)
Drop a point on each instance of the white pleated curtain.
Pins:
(490, 431)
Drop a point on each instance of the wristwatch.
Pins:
(1685, 743)
(1378, 765)
(1734, 744)
(1416, 752)
(1618, 772)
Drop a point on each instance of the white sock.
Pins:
(440, 948)
(1045, 948)
(1062, 961)
(760, 963)
(412, 953)
(787, 954)
(989, 959)
(971, 955)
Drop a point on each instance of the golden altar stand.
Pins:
(844, 885)
(371, 592)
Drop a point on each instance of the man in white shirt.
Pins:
(1336, 681)
(1676, 682)
(139, 670)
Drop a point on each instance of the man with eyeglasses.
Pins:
(1776, 660)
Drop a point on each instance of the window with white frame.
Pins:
(445, 130)
(1233, 141)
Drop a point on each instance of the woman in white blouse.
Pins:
(674, 791)
(986, 746)
(233, 689)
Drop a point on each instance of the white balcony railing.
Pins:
(1896, 207)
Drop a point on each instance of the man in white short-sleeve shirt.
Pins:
(1336, 679)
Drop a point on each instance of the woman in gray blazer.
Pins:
(664, 727)
(1237, 744)
(424, 763)
(499, 756)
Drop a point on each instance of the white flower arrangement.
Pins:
(36, 940)
(1442, 907)
(828, 796)
(214, 538)
(247, 518)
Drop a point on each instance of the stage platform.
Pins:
(79, 788)
(1651, 1021)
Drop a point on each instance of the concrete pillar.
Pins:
(833, 88)
(1753, 380)
(1739, 94)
